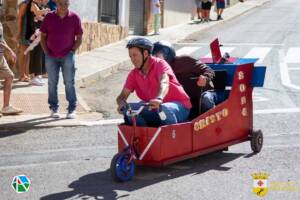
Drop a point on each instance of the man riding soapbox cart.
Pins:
(229, 122)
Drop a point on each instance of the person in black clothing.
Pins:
(52, 4)
(35, 13)
(185, 68)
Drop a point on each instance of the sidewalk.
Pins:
(94, 65)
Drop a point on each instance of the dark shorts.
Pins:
(220, 5)
(206, 6)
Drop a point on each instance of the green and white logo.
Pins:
(20, 183)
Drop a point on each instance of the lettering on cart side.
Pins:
(243, 100)
(241, 75)
(242, 87)
(244, 112)
(211, 119)
(173, 134)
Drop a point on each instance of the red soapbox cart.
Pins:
(229, 123)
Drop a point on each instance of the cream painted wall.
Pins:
(177, 11)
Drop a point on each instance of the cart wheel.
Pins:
(121, 170)
(256, 141)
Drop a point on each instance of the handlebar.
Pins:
(133, 113)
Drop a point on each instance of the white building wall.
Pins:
(124, 13)
(86, 9)
(177, 11)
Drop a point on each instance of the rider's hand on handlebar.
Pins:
(202, 80)
(121, 107)
(154, 103)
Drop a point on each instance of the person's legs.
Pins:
(199, 13)
(52, 67)
(208, 11)
(174, 113)
(23, 63)
(36, 65)
(68, 71)
(198, 8)
(8, 77)
(169, 113)
(208, 100)
(220, 13)
(220, 8)
(156, 23)
(7, 85)
(204, 8)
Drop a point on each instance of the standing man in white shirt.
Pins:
(155, 4)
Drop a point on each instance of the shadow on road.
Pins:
(101, 186)
(15, 128)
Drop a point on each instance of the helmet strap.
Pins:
(144, 59)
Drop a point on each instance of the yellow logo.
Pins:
(202, 123)
(260, 184)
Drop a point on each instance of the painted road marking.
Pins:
(102, 122)
(258, 52)
(259, 99)
(292, 55)
(284, 71)
(294, 68)
(187, 50)
(276, 111)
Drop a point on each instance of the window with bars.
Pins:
(108, 11)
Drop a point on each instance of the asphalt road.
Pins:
(73, 163)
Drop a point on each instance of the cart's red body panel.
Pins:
(171, 141)
(228, 123)
(230, 120)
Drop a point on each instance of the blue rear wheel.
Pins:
(121, 169)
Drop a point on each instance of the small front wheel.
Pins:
(256, 141)
(122, 169)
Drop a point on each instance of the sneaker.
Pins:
(42, 82)
(37, 81)
(10, 110)
(55, 114)
(71, 115)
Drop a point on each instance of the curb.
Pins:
(45, 121)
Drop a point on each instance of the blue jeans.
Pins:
(174, 113)
(67, 65)
(207, 101)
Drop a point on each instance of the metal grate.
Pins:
(108, 11)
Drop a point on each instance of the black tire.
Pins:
(118, 173)
(256, 141)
